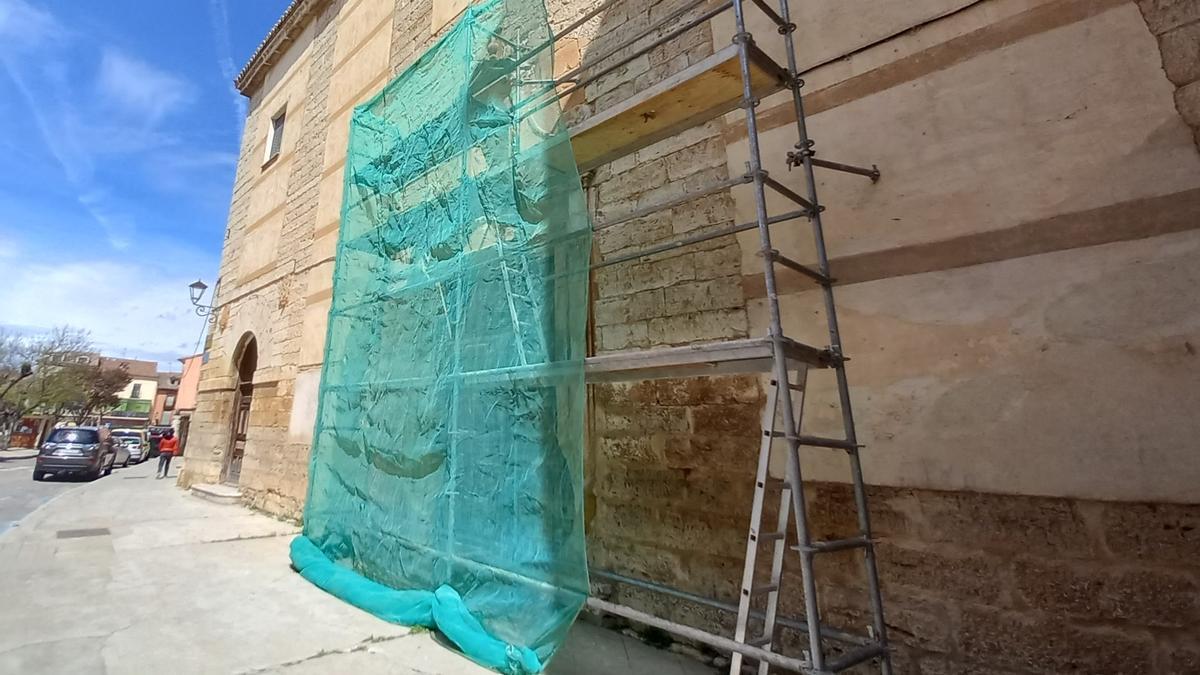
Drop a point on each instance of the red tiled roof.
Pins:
(142, 370)
(292, 23)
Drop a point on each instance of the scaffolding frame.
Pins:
(776, 353)
(734, 77)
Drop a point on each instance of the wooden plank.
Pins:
(691, 97)
(753, 355)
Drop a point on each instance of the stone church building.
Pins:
(1019, 294)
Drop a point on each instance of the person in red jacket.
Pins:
(168, 446)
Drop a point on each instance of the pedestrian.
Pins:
(167, 447)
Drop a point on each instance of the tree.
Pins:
(52, 383)
(12, 359)
(97, 389)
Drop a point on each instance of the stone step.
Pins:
(218, 493)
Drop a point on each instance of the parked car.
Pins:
(135, 439)
(86, 450)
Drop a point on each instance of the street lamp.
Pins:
(196, 290)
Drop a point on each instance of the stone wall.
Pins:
(1080, 288)
(975, 581)
(670, 461)
(279, 196)
(275, 470)
(1176, 25)
(1003, 583)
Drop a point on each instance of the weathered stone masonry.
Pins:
(1176, 25)
(275, 470)
(973, 582)
(976, 580)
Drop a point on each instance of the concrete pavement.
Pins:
(129, 574)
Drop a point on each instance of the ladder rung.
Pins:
(834, 545)
(821, 442)
(780, 434)
(855, 656)
(791, 385)
(761, 641)
(776, 484)
(789, 193)
(872, 173)
(759, 590)
(771, 536)
(799, 267)
(814, 441)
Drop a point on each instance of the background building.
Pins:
(1017, 295)
(137, 398)
(162, 413)
(185, 402)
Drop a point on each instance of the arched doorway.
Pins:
(247, 363)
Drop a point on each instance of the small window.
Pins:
(137, 391)
(169, 403)
(275, 137)
(81, 359)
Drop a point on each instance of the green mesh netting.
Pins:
(445, 488)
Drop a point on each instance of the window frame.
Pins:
(275, 131)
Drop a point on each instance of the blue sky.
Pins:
(119, 132)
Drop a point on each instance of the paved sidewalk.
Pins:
(9, 454)
(132, 575)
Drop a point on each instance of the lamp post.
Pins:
(196, 289)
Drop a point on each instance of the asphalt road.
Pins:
(20, 495)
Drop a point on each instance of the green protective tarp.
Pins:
(446, 485)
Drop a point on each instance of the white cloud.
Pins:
(218, 16)
(119, 116)
(23, 25)
(95, 106)
(139, 89)
(8, 248)
(118, 227)
(132, 307)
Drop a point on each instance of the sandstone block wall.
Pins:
(268, 301)
(1176, 25)
(1003, 281)
(1025, 252)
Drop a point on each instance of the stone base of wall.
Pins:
(973, 583)
(1176, 25)
(274, 476)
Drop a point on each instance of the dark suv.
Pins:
(86, 450)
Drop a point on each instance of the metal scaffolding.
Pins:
(737, 76)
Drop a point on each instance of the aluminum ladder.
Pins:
(786, 399)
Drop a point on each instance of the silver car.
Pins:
(134, 441)
(134, 446)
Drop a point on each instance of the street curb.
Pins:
(6, 455)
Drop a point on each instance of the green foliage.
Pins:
(45, 386)
(97, 389)
(62, 379)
